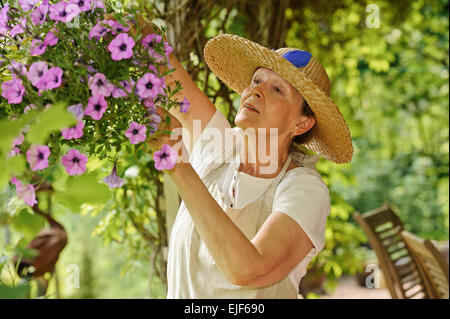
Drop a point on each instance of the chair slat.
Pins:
(409, 277)
(416, 293)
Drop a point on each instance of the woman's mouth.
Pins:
(250, 108)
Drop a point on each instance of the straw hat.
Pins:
(234, 59)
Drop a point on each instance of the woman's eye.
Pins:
(278, 90)
(255, 80)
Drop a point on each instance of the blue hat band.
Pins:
(298, 58)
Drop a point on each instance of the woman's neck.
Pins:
(263, 155)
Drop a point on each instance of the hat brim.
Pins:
(234, 59)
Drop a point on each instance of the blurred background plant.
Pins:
(391, 84)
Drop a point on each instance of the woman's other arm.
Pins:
(201, 109)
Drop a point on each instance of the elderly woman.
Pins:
(242, 231)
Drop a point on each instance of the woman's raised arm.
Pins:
(201, 108)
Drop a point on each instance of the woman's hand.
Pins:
(155, 143)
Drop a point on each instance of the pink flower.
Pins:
(184, 105)
(18, 140)
(77, 110)
(148, 86)
(113, 180)
(99, 85)
(98, 31)
(27, 5)
(13, 91)
(26, 192)
(119, 92)
(73, 132)
(167, 49)
(98, 4)
(39, 15)
(17, 69)
(13, 152)
(74, 162)
(50, 39)
(83, 5)
(63, 11)
(52, 79)
(36, 72)
(136, 133)
(165, 158)
(37, 47)
(96, 107)
(18, 28)
(121, 47)
(4, 18)
(150, 41)
(37, 156)
(119, 28)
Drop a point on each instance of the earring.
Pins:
(292, 136)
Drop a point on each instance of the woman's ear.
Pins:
(304, 126)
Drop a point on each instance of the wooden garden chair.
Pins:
(431, 262)
(402, 274)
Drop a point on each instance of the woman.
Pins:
(239, 232)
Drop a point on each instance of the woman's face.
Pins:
(277, 102)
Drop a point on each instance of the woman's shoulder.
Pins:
(301, 176)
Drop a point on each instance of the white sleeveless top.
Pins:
(299, 193)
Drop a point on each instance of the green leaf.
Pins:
(84, 189)
(17, 292)
(53, 119)
(27, 224)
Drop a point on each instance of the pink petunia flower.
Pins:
(165, 158)
(17, 69)
(63, 11)
(4, 18)
(98, 31)
(36, 72)
(37, 47)
(73, 132)
(149, 42)
(96, 107)
(148, 86)
(18, 28)
(52, 79)
(155, 120)
(119, 92)
(83, 5)
(50, 39)
(113, 180)
(136, 133)
(39, 15)
(26, 192)
(121, 47)
(18, 140)
(27, 5)
(98, 4)
(77, 110)
(167, 49)
(13, 152)
(99, 85)
(13, 91)
(117, 27)
(184, 105)
(37, 157)
(74, 162)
